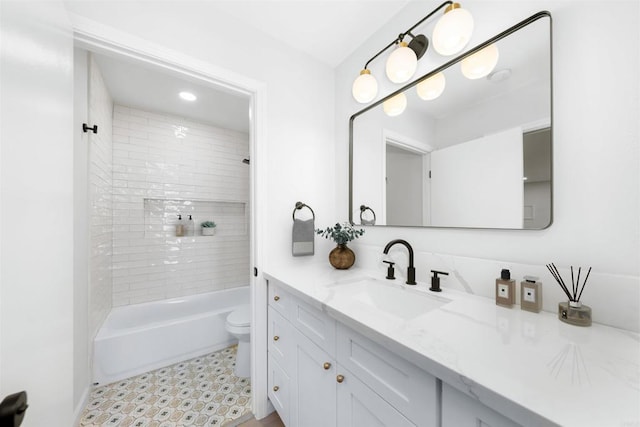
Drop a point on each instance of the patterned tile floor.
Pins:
(198, 392)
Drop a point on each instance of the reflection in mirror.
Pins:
(478, 155)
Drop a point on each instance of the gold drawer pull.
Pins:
(326, 365)
(276, 298)
(276, 388)
(276, 338)
(340, 378)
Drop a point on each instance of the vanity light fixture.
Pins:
(187, 96)
(453, 32)
(431, 88)
(365, 88)
(396, 105)
(481, 63)
(402, 63)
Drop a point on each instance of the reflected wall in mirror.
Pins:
(477, 156)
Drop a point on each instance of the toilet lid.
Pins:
(241, 316)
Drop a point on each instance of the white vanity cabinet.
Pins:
(326, 374)
(460, 410)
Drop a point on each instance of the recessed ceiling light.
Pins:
(187, 96)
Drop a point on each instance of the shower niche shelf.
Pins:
(161, 217)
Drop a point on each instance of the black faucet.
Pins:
(411, 271)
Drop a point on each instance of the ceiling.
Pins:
(149, 88)
(327, 30)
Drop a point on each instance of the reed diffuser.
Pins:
(573, 311)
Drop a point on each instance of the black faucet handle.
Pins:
(390, 270)
(435, 280)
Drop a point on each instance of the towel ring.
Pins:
(300, 205)
(363, 209)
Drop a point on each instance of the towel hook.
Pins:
(363, 209)
(300, 205)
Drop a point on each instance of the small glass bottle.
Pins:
(505, 289)
(531, 294)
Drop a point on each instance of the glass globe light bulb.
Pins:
(432, 87)
(453, 30)
(365, 87)
(481, 63)
(401, 64)
(395, 106)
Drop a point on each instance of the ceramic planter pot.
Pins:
(208, 231)
(341, 257)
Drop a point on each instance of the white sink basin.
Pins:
(393, 299)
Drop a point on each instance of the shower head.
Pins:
(245, 161)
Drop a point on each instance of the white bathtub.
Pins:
(143, 337)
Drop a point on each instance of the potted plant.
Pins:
(208, 228)
(341, 257)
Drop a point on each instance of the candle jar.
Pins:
(574, 313)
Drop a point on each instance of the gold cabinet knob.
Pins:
(276, 338)
(276, 388)
(276, 298)
(340, 378)
(326, 365)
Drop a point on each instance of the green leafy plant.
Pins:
(208, 224)
(340, 233)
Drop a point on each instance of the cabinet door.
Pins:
(459, 410)
(406, 387)
(359, 406)
(279, 391)
(314, 385)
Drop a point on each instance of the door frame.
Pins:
(100, 38)
(406, 143)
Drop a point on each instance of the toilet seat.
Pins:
(240, 317)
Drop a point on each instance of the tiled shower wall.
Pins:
(101, 209)
(164, 166)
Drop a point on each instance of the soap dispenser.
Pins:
(190, 227)
(505, 289)
(180, 226)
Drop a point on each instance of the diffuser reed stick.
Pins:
(573, 295)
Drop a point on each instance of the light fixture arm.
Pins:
(401, 36)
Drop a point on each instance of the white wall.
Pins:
(100, 200)
(81, 252)
(478, 183)
(36, 210)
(596, 159)
(164, 165)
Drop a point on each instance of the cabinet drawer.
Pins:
(279, 390)
(460, 410)
(406, 387)
(314, 324)
(278, 298)
(280, 338)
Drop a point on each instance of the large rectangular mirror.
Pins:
(478, 156)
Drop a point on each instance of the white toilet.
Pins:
(239, 325)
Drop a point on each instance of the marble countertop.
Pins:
(531, 367)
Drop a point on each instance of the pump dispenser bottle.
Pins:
(180, 226)
(190, 227)
(505, 289)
